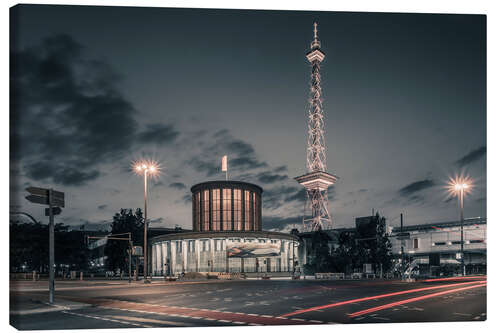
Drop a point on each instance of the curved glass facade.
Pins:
(227, 206)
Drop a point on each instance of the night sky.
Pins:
(93, 88)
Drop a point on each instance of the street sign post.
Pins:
(54, 200)
(55, 211)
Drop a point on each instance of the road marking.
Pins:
(363, 299)
(153, 321)
(192, 313)
(415, 299)
(106, 319)
(462, 314)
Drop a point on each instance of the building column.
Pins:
(173, 251)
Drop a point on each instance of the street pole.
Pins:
(145, 225)
(130, 258)
(462, 231)
(51, 250)
(402, 247)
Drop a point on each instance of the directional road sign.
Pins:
(41, 196)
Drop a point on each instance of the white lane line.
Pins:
(239, 322)
(462, 314)
(266, 316)
(224, 321)
(106, 319)
(316, 321)
(298, 319)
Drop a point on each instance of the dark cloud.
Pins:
(414, 187)
(187, 199)
(102, 207)
(282, 168)
(472, 157)
(275, 197)
(241, 155)
(158, 133)
(209, 167)
(267, 177)
(280, 223)
(177, 185)
(66, 115)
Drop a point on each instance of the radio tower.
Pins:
(316, 180)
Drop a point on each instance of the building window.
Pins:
(191, 246)
(455, 243)
(475, 241)
(206, 210)
(216, 209)
(415, 243)
(178, 246)
(197, 211)
(262, 240)
(206, 245)
(256, 207)
(226, 209)
(247, 211)
(439, 243)
(237, 209)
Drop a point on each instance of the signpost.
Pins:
(54, 200)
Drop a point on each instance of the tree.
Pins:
(29, 247)
(369, 243)
(321, 259)
(116, 250)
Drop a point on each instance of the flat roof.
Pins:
(225, 183)
(224, 234)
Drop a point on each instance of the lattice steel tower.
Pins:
(316, 180)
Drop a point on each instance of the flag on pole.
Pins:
(224, 163)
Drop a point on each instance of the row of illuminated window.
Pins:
(239, 210)
(472, 241)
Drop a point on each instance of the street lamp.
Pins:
(148, 168)
(459, 187)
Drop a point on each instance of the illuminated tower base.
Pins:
(316, 184)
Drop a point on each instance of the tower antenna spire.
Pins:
(317, 179)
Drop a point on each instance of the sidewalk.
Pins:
(23, 305)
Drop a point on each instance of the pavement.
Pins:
(118, 304)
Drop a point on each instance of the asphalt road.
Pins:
(244, 302)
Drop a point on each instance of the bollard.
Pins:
(34, 275)
(81, 276)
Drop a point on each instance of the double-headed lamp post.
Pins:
(460, 187)
(148, 169)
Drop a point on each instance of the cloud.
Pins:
(187, 198)
(158, 133)
(67, 117)
(280, 223)
(472, 157)
(414, 187)
(241, 155)
(269, 177)
(177, 185)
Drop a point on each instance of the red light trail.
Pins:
(321, 307)
(415, 299)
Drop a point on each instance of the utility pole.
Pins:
(402, 247)
(462, 258)
(51, 250)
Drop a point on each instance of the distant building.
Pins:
(430, 247)
(434, 245)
